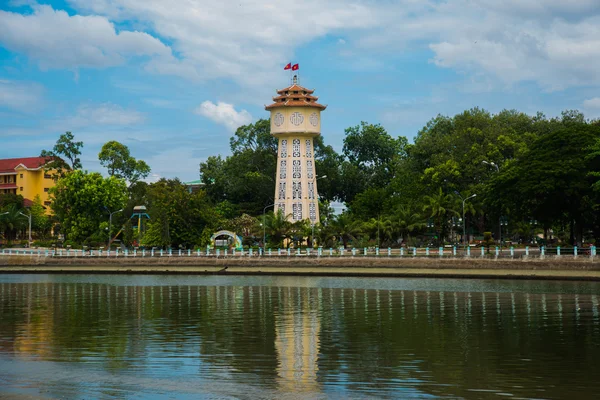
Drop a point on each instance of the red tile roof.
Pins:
(287, 98)
(295, 88)
(9, 164)
(8, 186)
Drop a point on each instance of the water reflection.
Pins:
(85, 339)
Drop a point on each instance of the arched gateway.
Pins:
(237, 240)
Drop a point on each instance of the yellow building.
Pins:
(26, 176)
(296, 121)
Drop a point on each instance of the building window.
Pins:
(297, 211)
(311, 190)
(21, 188)
(21, 176)
(282, 191)
(282, 169)
(47, 203)
(283, 147)
(312, 210)
(281, 207)
(296, 190)
(309, 169)
(296, 169)
(308, 148)
(296, 148)
(46, 190)
(47, 176)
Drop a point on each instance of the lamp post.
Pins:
(312, 222)
(493, 164)
(110, 224)
(463, 212)
(264, 225)
(29, 218)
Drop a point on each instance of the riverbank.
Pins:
(562, 268)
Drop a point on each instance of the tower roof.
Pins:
(295, 96)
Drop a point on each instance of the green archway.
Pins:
(237, 240)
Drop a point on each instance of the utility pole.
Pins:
(28, 217)
(110, 224)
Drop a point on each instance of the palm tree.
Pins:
(12, 222)
(278, 227)
(345, 228)
(408, 221)
(438, 206)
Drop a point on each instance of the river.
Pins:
(191, 337)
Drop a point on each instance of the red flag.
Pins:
(288, 66)
(295, 67)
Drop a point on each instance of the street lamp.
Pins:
(110, 224)
(264, 225)
(493, 164)
(313, 201)
(29, 218)
(463, 210)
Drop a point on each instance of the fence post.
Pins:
(526, 251)
(496, 251)
(389, 251)
(269, 251)
(353, 252)
(482, 251)
(364, 251)
(512, 252)
(401, 251)
(289, 252)
(171, 252)
(468, 251)
(116, 252)
(454, 251)
(558, 251)
(376, 251)
(542, 252)
(330, 252)
(427, 251)
(575, 252)
(414, 251)
(441, 251)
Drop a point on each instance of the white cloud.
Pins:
(551, 42)
(56, 40)
(244, 40)
(92, 115)
(20, 96)
(593, 103)
(224, 114)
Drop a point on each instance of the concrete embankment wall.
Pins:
(582, 268)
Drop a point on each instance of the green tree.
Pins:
(345, 228)
(12, 222)
(277, 227)
(66, 148)
(439, 207)
(79, 201)
(117, 159)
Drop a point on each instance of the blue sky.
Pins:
(172, 80)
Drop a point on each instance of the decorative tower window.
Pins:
(282, 169)
(296, 169)
(296, 118)
(312, 211)
(296, 148)
(311, 190)
(281, 191)
(309, 169)
(297, 211)
(283, 148)
(308, 148)
(296, 190)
